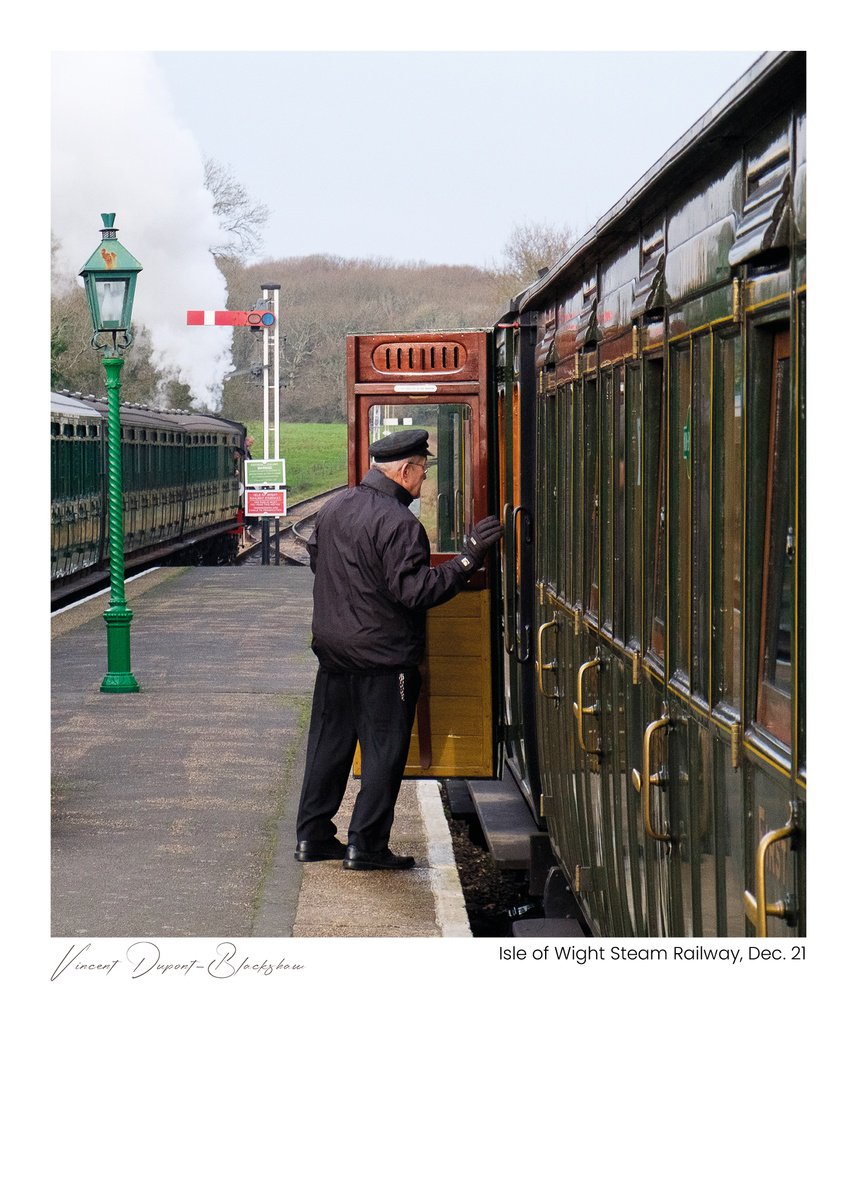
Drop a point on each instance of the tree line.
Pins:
(323, 298)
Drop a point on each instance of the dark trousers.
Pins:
(378, 711)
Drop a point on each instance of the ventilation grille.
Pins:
(418, 358)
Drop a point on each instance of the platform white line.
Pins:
(445, 883)
(103, 592)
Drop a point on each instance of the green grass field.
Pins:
(315, 456)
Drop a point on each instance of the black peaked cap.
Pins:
(401, 445)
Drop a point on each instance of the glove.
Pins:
(480, 539)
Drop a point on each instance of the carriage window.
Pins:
(619, 566)
(801, 547)
(728, 522)
(606, 495)
(774, 693)
(445, 504)
(590, 492)
(566, 484)
(578, 525)
(679, 510)
(634, 493)
(701, 472)
(654, 402)
(554, 493)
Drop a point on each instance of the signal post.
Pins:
(265, 478)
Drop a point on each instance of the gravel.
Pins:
(489, 894)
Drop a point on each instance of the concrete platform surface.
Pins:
(173, 809)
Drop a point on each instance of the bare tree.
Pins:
(534, 245)
(323, 298)
(241, 217)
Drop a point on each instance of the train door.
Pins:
(607, 708)
(693, 766)
(555, 634)
(438, 382)
(590, 669)
(774, 665)
(515, 414)
(618, 698)
(648, 749)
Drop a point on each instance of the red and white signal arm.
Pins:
(264, 503)
(255, 318)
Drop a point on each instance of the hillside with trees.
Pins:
(322, 299)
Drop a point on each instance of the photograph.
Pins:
(425, 703)
(445, 476)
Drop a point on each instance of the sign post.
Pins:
(265, 497)
(264, 319)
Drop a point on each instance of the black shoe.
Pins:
(376, 860)
(310, 851)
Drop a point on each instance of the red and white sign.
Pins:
(225, 316)
(258, 503)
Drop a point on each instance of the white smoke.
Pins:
(118, 147)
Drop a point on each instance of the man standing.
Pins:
(373, 585)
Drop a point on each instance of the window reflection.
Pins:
(445, 504)
(775, 666)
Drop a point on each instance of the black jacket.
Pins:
(374, 581)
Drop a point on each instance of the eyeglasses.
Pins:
(424, 467)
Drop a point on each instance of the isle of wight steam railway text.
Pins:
(677, 953)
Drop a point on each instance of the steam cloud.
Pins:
(119, 147)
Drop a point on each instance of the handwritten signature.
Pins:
(142, 958)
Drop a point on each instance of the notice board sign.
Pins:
(259, 503)
(265, 472)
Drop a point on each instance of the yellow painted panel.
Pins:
(459, 670)
(460, 638)
(459, 691)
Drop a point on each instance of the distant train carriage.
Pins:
(180, 487)
(645, 444)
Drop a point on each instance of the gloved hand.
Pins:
(481, 538)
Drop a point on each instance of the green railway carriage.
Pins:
(180, 487)
(670, 533)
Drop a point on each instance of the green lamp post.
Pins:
(110, 276)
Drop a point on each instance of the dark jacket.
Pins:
(374, 581)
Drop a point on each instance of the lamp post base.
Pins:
(119, 677)
(119, 681)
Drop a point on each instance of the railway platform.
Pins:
(173, 809)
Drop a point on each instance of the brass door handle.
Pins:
(541, 665)
(644, 783)
(756, 907)
(577, 708)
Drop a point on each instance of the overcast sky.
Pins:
(436, 156)
(395, 155)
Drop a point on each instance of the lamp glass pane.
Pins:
(111, 299)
